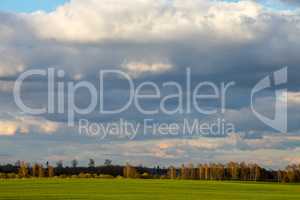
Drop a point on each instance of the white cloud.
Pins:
(263, 151)
(25, 125)
(292, 159)
(8, 128)
(10, 64)
(139, 68)
(90, 20)
(293, 97)
(6, 86)
(146, 32)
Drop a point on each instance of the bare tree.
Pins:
(50, 171)
(23, 170)
(41, 171)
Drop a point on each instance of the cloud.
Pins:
(78, 38)
(233, 41)
(143, 20)
(153, 40)
(293, 2)
(274, 151)
(292, 160)
(6, 86)
(8, 128)
(136, 69)
(10, 64)
(26, 125)
(294, 98)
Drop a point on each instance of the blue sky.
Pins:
(29, 5)
(49, 5)
(274, 4)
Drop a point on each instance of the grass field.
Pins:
(143, 189)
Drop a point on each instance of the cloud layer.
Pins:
(155, 40)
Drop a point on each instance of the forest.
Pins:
(213, 171)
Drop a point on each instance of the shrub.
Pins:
(63, 176)
(106, 176)
(3, 176)
(146, 176)
(164, 177)
(12, 175)
(137, 176)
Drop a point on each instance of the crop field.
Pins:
(31, 189)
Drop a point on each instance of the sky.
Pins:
(154, 41)
(50, 5)
(30, 5)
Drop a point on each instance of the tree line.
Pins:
(212, 171)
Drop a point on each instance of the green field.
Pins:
(143, 189)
